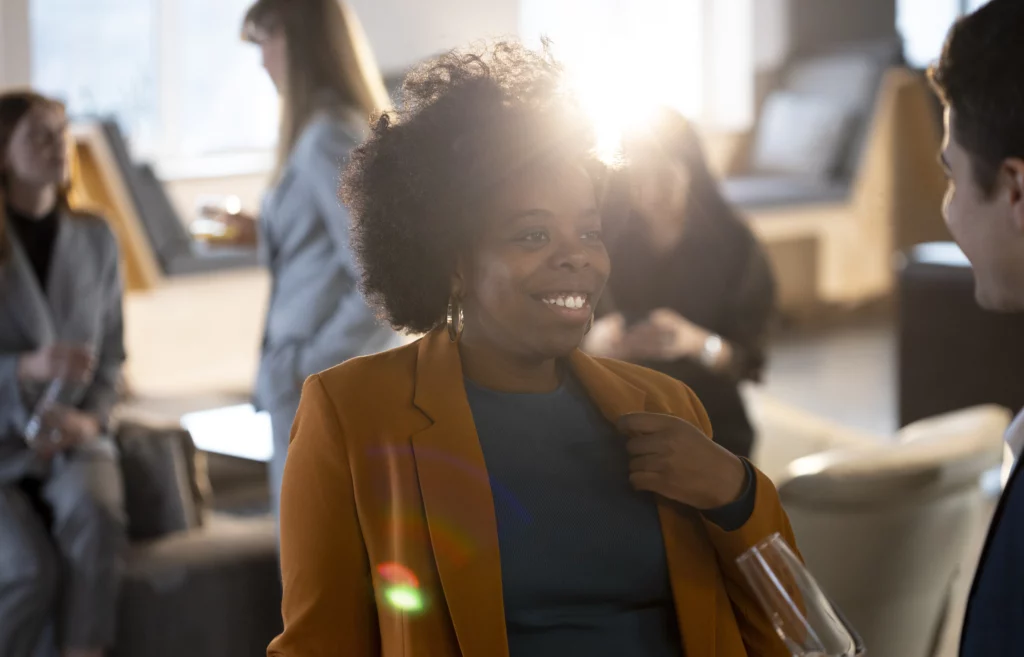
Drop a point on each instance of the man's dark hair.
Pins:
(466, 121)
(980, 75)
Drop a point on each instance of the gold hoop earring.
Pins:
(455, 320)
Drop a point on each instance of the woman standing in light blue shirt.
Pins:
(329, 84)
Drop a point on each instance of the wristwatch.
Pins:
(711, 351)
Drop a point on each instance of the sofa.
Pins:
(202, 577)
(839, 172)
(885, 529)
(891, 526)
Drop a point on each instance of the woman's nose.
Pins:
(571, 255)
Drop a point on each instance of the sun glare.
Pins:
(614, 111)
(624, 60)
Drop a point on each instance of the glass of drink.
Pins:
(209, 225)
(803, 617)
(34, 434)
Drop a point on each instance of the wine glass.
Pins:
(33, 427)
(803, 617)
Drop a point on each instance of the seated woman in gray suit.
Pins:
(318, 59)
(62, 528)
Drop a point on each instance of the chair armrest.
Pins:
(786, 433)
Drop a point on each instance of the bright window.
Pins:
(174, 73)
(100, 58)
(627, 55)
(924, 24)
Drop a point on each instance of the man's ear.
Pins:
(1013, 169)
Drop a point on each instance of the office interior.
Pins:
(880, 413)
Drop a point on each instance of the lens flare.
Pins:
(398, 575)
(402, 589)
(404, 598)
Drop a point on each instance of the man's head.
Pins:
(980, 78)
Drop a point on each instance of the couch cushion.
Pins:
(210, 592)
(849, 76)
(801, 134)
(848, 79)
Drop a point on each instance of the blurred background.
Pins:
(885, 392)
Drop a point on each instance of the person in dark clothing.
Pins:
(979, 80)
(691, 292)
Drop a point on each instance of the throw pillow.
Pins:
(800, 135)
(164, 480)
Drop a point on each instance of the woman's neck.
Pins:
(32, 200)
(502, 371)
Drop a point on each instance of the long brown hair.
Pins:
(327, 51)
(15, 106)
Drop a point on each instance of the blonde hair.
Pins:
(328, 54)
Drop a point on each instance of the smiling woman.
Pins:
(491, 490)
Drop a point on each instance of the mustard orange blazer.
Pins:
(385, 467)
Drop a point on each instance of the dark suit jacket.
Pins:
(994, 622)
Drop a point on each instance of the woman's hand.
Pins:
(605, 337)
(239, 229)
(664, 336)
(73, 363)
(673, 458)
(667, 336)
(64, 428)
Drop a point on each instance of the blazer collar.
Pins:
(456, 494)
(439, 373)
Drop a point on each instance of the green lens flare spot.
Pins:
(404, 598)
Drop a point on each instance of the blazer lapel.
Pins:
(457, 498)
(692, 563)
(25, 297)
(613, 395)
(72, 283)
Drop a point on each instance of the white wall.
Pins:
(771, 38)
(404, 32)
(15, 53)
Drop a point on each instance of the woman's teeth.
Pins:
(573, 301)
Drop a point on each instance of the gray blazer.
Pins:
(317, 317)
(82, 305)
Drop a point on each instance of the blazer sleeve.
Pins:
(328, 606)
(103, 392)
(768, 517)
(13, 411)
(353, 329)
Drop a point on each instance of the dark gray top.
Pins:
(582, 558)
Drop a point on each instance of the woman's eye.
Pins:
(534, 237)
(593, 236)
